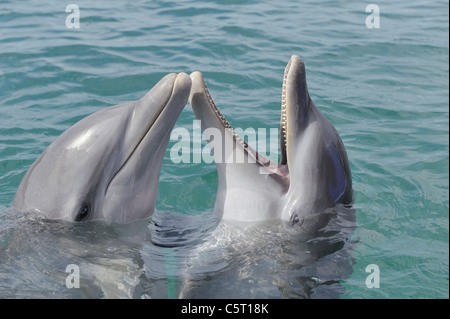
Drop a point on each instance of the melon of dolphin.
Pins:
(107, 166)
(313, 173)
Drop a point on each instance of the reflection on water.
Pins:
(176, 256)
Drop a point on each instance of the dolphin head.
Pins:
(312, 175)
(107, 166)
(312, 152)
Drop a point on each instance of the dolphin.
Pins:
(313, 173)
(107, 165)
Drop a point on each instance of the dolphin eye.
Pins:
(295, 219)
(83, 214)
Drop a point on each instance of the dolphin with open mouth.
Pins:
(312, 175)
(107, 166)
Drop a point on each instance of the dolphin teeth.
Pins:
(283, 121)
(222, 118)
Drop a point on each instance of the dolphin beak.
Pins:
(295, 104)
(203, 105)
(146, 137)
(169, 95)
(155, 114)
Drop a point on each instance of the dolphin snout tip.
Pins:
(296, 58)
(183, 80)
(296, 64)
(182, 75)
(196, 75)
(198, 84)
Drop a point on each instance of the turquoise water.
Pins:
(385, 90)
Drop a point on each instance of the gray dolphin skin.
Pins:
(107, 166)
(313, 173)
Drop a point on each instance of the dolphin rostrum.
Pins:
(313, 173)
(107, 166)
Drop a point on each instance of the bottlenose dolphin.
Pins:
(107, 166)
(313, 173)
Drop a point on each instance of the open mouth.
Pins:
(280, 168)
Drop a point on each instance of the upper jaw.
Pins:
(295, 106)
